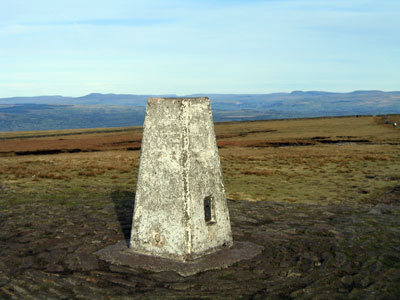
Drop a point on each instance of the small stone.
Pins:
(167, 277)
(182, 286)
(293, 274)
(365, 281)
(88, 262)
(347, 280)
(328, 214)
(72, 262)
(52, 268)
(297, 293)
(120, 281)
(27, 262)
(55, 256)
(340, 258)
(375, 211)
(322, 227)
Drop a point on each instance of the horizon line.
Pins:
(200, 93)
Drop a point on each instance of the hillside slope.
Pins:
(112, 110)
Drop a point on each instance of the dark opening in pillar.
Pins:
(209, 217)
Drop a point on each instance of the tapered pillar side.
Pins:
(180, 205)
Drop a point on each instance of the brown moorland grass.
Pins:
(326, 160)
(65, 142)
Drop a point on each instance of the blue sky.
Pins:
(77, 47)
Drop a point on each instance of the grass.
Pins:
(323, 160)
(312, 173)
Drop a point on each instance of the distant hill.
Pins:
(91, 99)
(360, 101)
(112, 110)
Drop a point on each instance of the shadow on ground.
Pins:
(124, 204)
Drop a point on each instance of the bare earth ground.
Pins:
(321, 195)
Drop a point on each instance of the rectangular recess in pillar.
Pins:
(209, 212)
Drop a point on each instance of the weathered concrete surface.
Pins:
(120, 254)
(180, 206)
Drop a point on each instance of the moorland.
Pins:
(322, 195)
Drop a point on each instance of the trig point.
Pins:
(181, 219)
(180, 207)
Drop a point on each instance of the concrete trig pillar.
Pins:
(180, 206)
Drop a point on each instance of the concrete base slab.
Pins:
(120, 254)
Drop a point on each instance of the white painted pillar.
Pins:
(180, 206)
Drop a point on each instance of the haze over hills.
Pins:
(112, 110)
(229, 101)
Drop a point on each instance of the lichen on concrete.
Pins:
(180, 205)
